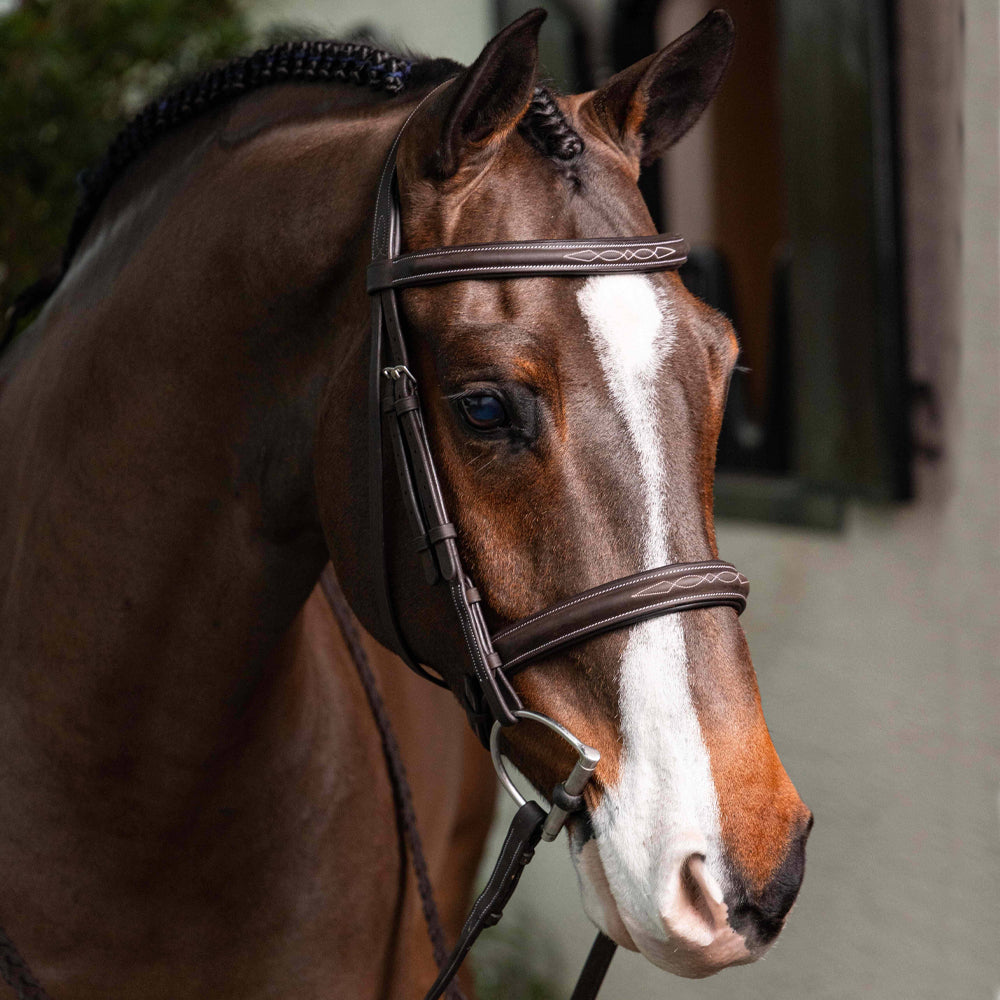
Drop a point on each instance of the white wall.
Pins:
(429, 27)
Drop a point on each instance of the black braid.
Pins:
(546, 128)
(310, 61)
(300, 61)
(543, 124)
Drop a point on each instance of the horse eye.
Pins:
(484, 411)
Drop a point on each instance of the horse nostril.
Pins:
(704, 893)
(694, 911)
(761, 916)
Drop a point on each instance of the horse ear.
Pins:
(646, 108)
(492, 93)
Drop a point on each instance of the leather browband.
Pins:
(529, 258)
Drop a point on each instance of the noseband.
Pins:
(483, 683)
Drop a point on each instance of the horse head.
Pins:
(574, 423)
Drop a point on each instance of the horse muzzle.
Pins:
(689, 924)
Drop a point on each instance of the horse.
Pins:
(193, 797)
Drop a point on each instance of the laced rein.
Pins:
(402, 795)
(526, 829)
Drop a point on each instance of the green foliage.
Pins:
(71, 73)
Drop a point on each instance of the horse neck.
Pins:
(158, 531)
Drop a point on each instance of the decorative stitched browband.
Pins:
(528, 259)
(485, 689)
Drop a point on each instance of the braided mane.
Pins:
(305, 62)
(543, 124)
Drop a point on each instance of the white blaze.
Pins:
(664, 806)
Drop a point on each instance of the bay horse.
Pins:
(192, 798)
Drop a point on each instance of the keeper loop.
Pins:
(441, 531)
(407, 404)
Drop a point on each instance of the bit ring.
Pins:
(587, 759)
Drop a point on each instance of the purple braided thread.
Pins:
(405, 814)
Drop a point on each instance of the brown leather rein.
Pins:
(482, 684)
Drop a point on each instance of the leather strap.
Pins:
(406, 818)
(385, 242)
(595, 968)
(527, 827)
(483, 690)
(518, 849)
(529, 258)
(667, 589)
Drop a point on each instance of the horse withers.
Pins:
(192, 797)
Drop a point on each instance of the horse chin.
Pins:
(598, 902)
(690, 948)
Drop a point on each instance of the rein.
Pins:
(530, 824)
(483, 683)
(401, 792)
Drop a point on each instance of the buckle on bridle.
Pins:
(396, 372)
(566, 796)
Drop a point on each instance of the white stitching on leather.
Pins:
(608, 588)
(475, 912)
(467, 632)
(607, 621)
(596, 244)
(735, 579)
(633, 252)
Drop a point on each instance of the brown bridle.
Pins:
(482, 684)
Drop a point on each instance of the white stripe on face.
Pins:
(664, 806)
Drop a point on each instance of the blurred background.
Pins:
(841, 196)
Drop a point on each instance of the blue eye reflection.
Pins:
(484, 411)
